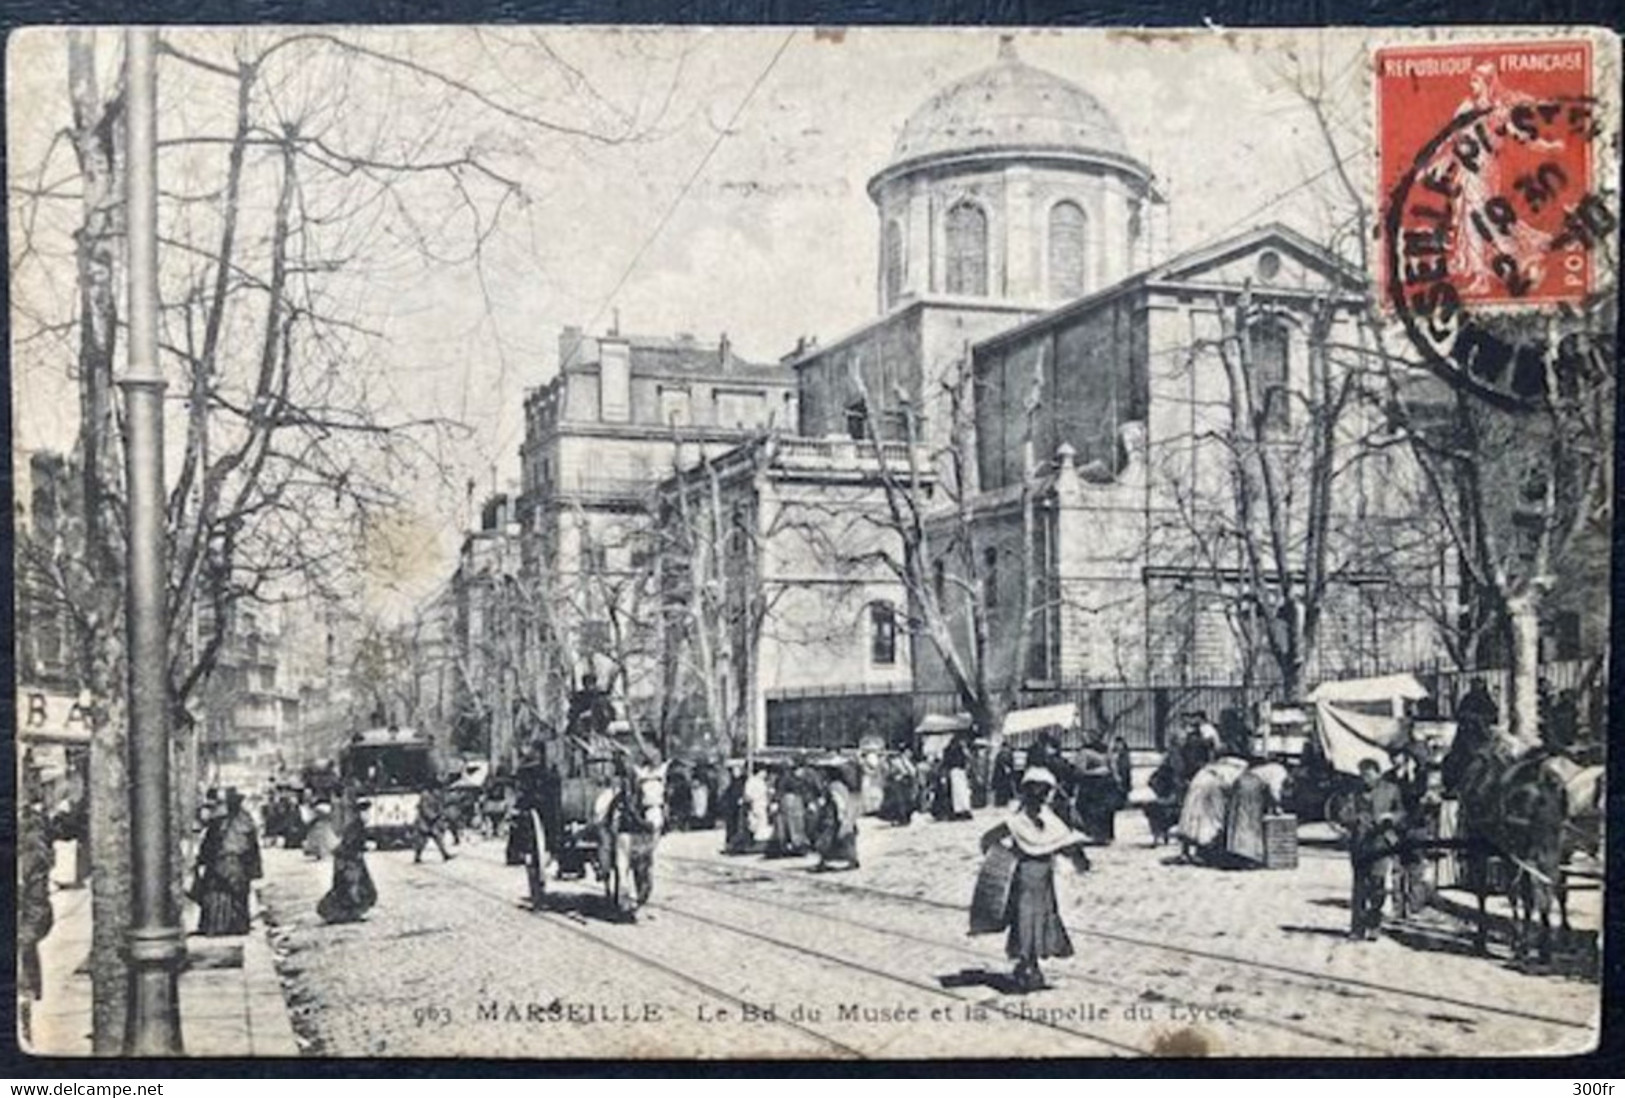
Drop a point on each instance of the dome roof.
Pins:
(1010, 105)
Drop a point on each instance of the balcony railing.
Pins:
(839, 452)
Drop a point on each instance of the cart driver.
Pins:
(590, 711)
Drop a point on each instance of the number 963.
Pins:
(431, 1016)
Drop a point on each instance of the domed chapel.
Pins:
(1015, 230)
(1012, 184)
(1018, 253)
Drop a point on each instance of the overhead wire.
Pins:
(672, 207)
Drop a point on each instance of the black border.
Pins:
(1606, 1063)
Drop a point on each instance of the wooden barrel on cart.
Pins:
(991, 900)
(577, 796)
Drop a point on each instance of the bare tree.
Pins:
(714, 605)
(1269, 507)
(937, 545)
(1521, 491)
(296, 166)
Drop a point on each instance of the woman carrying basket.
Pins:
(1021, 853)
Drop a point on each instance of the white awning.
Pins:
(1383, 688)
(1019, 721)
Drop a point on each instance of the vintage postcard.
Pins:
(601, 542)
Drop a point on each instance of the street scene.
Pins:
(1124, 573)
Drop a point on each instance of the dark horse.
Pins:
(1514, 808)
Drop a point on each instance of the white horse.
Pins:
(630, 817)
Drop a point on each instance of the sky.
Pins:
(741, 205)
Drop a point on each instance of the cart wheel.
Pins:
(536, 864)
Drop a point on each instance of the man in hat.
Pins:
(430, 823)
(1375, 822)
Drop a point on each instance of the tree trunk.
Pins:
(1523, 700)
(95, 137)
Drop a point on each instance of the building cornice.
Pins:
(1037, 155)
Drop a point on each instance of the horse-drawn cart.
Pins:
(588, 807)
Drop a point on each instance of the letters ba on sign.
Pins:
(45, 716)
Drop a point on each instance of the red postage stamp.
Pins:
(1485, 162)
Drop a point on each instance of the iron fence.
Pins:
(1147, 715)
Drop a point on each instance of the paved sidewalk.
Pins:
(230, 995)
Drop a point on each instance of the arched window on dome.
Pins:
(892, 261)
(1068, 249)
(967, 251)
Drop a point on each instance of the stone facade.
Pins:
(795, 544)
(622, 414)
(1135, 407)
(914, 353)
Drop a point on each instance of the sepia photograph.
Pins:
(595, 543)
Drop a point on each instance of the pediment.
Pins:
(1268, 256)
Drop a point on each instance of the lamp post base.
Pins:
(153, 1019)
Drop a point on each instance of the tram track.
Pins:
(1296, 979)
(1337, 1045)
(563, 922)
(1343, 1045)
(687, 888)
(905, 981)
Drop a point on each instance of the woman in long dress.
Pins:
(1256, 794)
(321, 838)
(838, 823)
(1202, 816)
(353, 892)
(790, 826)
(758, 817)
(1036, 835)
(956, 765)
(35, 860)
(228, 863)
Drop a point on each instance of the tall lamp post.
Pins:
(156, 947)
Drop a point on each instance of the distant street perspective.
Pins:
(770, 542)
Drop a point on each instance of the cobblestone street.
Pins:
(748, 957)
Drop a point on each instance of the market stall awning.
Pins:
(1382, 688)
(1022, 725)
(937, 724)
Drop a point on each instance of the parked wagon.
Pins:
(1322, 740)
(591, 809)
